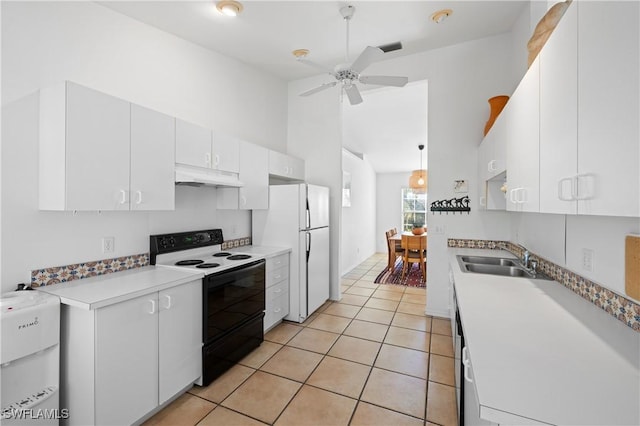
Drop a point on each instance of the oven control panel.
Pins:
(166, 243)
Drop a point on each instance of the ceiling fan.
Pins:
(348, 74)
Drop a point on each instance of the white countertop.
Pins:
(264, 251)
(540, 352)
(104, 290)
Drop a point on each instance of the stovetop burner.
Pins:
(208, 265)
(239, 257)
(222, 254)
(189, 262)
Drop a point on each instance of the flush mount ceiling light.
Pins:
(300, 53)
(418, 178)
(441, 15)
(229, 7)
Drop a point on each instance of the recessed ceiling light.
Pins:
(229, 7)
(441, 15)
(300, 53)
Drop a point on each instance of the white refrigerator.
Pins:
(298, 217)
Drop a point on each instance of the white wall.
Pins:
(389, 205)
(46, 42)
(358, 239)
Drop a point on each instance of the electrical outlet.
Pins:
(437, 230)
(587, 259)
(108, 244)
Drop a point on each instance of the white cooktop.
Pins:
(211, 255)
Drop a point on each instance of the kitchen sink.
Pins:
(496, 266)
(485, 260)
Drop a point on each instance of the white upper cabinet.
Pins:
(608, 178)
(254, 174)
(559, 115)
(86, 151)
(201, 147)
(589, 126)
(193, 144)
(523, 141)
(152, 159)
(225, 152)
(285, 166)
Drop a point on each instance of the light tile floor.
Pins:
(374, 358)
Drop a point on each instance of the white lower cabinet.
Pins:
(277, 290)
(471, 403)
(122, 361)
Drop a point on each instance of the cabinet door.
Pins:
(193, 144)
(126, 372)
(498, 163)
(296, 168)
(559, 115)
(523, 175)
(152, 160)
(254, 173)
(97, 150)
(485, 155)
(471, 403)
(226, 152)
(180, 338)
(608, 108)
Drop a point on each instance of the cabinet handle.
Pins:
(168, 301)
(279, 290)
(522, 191)
(286, 170)
(512, 196)
(491, 166)
(243, 200)
(560, 189)
(138, 197)
(276, 310)
(576, 190)
(153, 307)
(277, 277)
(207, 159)
(123, 196)
(290, 170)
(466, 363)
(217, 162)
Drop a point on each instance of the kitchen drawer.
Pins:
(278, 261)
(274, 276)
(276, 309)
(277, 290)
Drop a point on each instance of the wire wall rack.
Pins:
(453, 205)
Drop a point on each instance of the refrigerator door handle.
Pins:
(308, 238)
(308, 216)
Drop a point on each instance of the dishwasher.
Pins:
(30, 359)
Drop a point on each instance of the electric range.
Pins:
(233, 294)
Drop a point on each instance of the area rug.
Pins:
(413, 278)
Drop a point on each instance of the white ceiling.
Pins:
(266, 32)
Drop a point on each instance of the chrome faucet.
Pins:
(525, 259)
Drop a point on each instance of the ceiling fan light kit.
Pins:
(347, 75)
(229, 7)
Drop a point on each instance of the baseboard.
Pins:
(438, 312)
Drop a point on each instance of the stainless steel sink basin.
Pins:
(484, 260)
(496, 266)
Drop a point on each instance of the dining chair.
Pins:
(415, 250)
(394, 250)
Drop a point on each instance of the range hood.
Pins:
(199, 176)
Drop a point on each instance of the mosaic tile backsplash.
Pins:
(625, 310)
(77, 271)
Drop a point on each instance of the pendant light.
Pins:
(418, 178)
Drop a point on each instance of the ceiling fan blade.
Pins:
(384, 80)
(317, 65)
(369, 55)
(319, 88)
(353, 94)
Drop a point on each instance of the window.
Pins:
(414, 209)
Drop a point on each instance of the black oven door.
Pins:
(231, 298)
